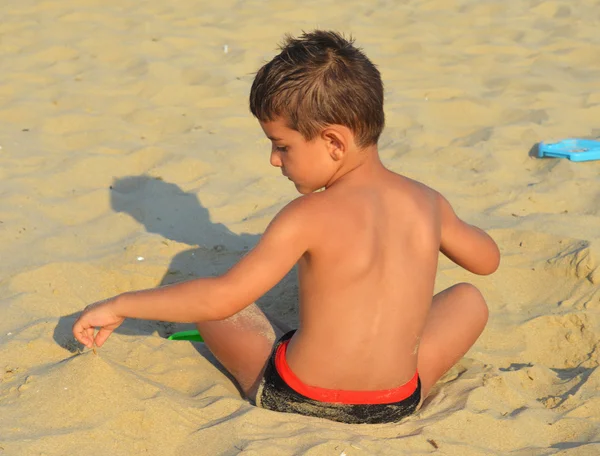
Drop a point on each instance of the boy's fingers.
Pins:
(79, 337)
(83, 335)
(78, 332)
(102, 336)
(83, 339)
(89, 334)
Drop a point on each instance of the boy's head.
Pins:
(317, 80)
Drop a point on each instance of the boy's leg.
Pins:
(243, 343)
(455, 321)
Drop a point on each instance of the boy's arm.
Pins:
(466, 245)
(212, 298)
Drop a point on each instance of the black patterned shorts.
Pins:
(275, 394)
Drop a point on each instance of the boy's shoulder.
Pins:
(419, 190)
(303, 214)
(304, 206)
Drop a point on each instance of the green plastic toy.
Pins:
(192, 335)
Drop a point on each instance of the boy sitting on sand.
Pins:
(372, 339)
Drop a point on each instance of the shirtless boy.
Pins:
(372, 338)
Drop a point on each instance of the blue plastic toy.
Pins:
(574, 149)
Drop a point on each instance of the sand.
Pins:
(129, 159)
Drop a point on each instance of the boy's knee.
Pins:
(468, 291)
(471, 295)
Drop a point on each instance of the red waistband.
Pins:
(340, 396)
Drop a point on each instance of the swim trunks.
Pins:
(280, 390)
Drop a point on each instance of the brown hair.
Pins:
(317, 80)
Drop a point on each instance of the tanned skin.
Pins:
(367, 251)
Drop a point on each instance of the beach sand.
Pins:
(129, 159)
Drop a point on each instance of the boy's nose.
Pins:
(275, 159)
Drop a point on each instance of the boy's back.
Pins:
(366, 282)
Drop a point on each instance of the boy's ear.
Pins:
(336, 142)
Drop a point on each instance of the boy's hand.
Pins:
(98, 315)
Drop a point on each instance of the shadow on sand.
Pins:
(165, 209)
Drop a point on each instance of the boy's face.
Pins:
(308, 164)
